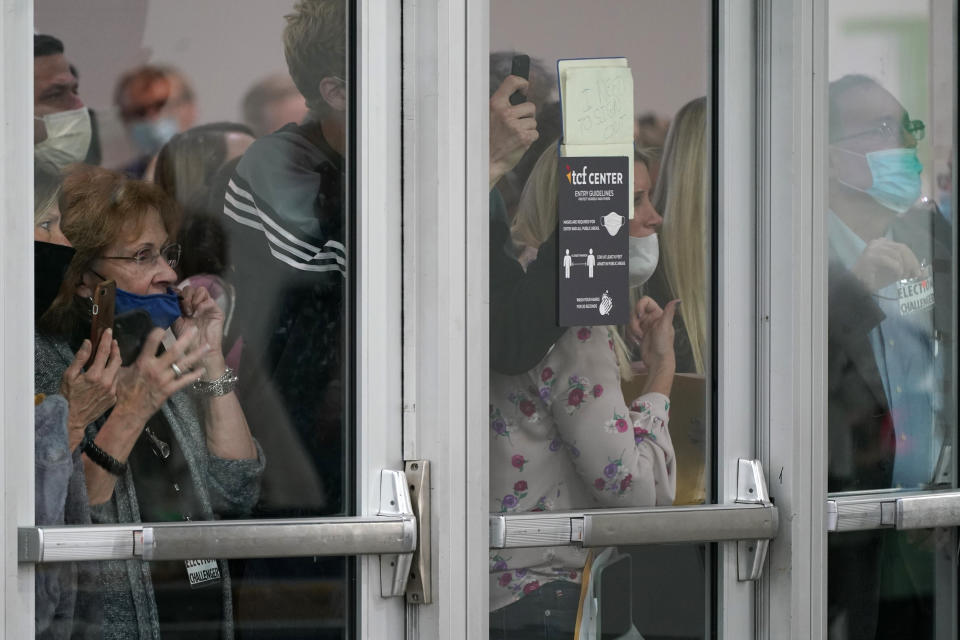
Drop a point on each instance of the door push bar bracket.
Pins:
(751, 489)
(419, 589)
(407, 492)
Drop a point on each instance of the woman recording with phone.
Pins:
(176, 445)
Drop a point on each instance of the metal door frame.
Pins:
(791, 42)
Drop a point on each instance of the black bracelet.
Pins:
(104, 459)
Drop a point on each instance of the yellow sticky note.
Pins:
(598, 106)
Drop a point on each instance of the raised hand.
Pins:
(90, 393)
(513, 128)
(883, 262)
(201, 312)
(146, 384)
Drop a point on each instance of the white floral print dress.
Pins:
(562, 437)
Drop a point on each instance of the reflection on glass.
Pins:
(891, 404)
(597, 416)
(225, 341)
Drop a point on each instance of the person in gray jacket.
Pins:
(176, 445)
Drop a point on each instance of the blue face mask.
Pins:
(164, 308)
(150, 135)
(896, 177)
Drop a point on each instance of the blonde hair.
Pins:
(680, 196)
(536, 218)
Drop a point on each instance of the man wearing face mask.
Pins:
(155, 103)
(889, 305)
(61, 122)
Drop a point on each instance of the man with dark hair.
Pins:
(155, 103)
(61, 123)
(886, 336)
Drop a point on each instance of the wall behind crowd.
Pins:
(223, 46)
(668, 70)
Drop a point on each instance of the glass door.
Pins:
(623, 494)
(889, 152)
(224, 181)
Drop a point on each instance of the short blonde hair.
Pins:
(314, 44)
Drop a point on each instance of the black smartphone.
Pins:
(131, 330)
(104, 303)
(615, 588)
(520, 67)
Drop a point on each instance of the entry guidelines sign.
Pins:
(594, 201)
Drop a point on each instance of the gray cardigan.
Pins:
(223, 487)
(68, 602)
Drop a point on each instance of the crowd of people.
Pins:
(159, 414)
(227, 246)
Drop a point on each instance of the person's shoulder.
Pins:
(284, 160)
(290, 143)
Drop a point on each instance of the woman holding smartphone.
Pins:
(176, 445)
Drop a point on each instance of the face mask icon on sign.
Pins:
(612, 222)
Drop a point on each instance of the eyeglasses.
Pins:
(148, 257)
(889, 131)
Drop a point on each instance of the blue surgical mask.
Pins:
(164, 308)
(150, 135)
(896, 177)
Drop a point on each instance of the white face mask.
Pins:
(68, 137)
(612, 222)
(644, 255)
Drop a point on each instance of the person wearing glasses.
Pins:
(175, 445)
(889, 310)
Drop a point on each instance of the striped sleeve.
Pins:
(285, 242)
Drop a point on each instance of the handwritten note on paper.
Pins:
(598, 105)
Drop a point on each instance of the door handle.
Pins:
(752, 522)
(893, 510)
(392, 530)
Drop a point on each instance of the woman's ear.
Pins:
(334, 93)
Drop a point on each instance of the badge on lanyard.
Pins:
(201, 572)
(915, 294)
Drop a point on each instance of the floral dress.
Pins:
(562, 437)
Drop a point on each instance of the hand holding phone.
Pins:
(104, 305)
(520, 68)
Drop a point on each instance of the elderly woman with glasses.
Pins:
(176, 445)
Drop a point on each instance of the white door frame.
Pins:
(16, 295)
(792, 117)
(379, 285)
(445, 300)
